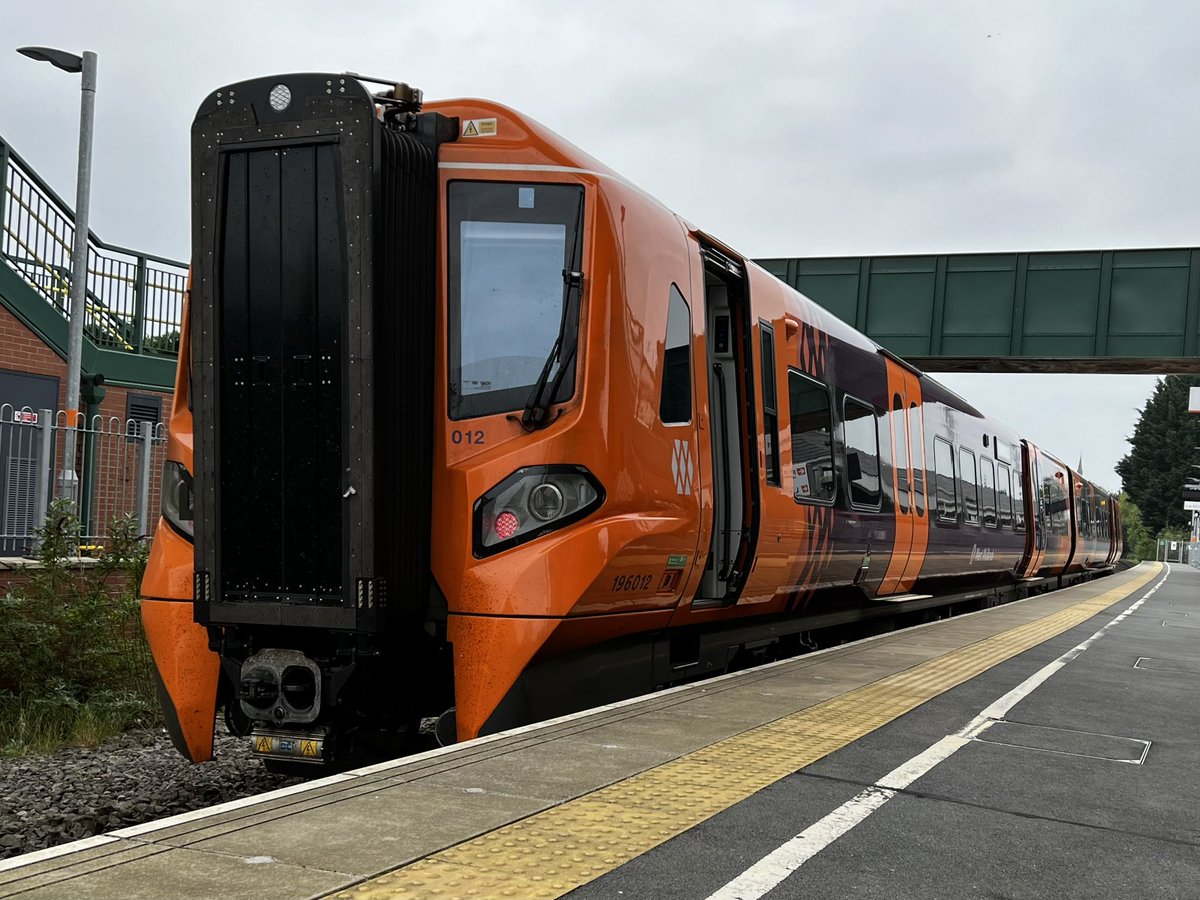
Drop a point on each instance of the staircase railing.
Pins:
(134, 300)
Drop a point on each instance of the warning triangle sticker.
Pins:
(470, 130)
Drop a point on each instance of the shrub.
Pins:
(72, 652)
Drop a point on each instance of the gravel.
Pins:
(138, 777)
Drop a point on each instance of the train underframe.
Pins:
(312, 702)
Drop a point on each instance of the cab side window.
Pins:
(675, 405)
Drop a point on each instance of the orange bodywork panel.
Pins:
(490, 652)
(188, 670)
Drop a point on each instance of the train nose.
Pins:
(280, 686)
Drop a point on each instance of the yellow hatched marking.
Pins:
(562, 848)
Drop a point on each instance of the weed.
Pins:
(72, 650)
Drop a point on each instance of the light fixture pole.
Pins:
(68, 480)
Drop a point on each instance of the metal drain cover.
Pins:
(1063, 740)
(1161, 664)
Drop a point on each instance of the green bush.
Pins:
(73, 657)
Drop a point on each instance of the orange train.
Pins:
(467, 426)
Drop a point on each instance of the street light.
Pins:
(68, 482)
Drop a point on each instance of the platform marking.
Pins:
(772, 869)
(562, 848)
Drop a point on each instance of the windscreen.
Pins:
(510, 246)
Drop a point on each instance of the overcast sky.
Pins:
(786, 128)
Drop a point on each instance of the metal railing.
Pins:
(119, 461)
(134, 300)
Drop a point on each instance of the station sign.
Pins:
(1191, 505)
(1194, 400)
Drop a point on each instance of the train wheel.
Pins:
(446, 729)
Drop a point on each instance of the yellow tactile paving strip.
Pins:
(555, 851)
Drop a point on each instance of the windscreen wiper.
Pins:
(537, 408)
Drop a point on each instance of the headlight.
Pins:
(177, 498)
(531, 502)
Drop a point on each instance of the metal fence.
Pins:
(118, 462)
(134, 300)
(1178, 551)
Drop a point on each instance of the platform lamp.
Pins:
(68, 481)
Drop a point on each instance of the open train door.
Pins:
(908, 477)
(732, 430)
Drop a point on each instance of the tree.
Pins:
(1162, 453)
(1139, 542)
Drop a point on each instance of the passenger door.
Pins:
(732, 446)
(908, 479)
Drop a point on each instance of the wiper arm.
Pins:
(537, 407)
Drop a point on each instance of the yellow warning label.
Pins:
(309, 748)
(262, 745)
(479, 128)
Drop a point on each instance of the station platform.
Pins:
(1040, 748)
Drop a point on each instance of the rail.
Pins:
(134, 300)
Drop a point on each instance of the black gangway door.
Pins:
(281, 319)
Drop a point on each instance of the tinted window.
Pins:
(1004, 483)
(862, 453)
(1018, 506)
(900, 432)
(970, 486)
(1054, 502)
(987, 491)
(943, 461)
(812, 444)
(918, 458)
(770, 410)
(509, 246)
(675, 405)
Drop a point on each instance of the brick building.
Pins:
(131, 330)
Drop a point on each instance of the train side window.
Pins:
(970, 486)
(1018, 504)
(987, 491)
(943, 476)
(862, 453)
(770, 407)
(915, 434)
(899, 430)
(1004, 484)
(675, 405)
(1054, 503)
(812, 439)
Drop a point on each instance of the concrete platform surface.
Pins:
(1036, 749)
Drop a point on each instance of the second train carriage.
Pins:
(466, 424)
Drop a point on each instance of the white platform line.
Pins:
(772, 869)
(37, 856)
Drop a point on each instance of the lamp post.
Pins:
(68, 481)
